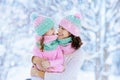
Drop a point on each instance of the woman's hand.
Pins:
(45, 64)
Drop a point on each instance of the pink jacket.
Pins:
(55, 57)
(67, 49)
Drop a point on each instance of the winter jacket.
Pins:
(52, 53)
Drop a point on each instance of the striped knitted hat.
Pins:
(72, 23)
(42, 24)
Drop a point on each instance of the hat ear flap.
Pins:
(33, 16)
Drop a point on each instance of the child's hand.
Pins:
(45, 64)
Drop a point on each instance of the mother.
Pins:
(70, 41)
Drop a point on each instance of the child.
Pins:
(48, 56)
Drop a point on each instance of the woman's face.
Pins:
(63, 33)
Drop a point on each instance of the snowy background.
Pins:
(100, 33)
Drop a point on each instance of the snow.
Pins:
(18, 73)
(2, 50)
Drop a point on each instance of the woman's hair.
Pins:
(42, 44)
(76, 42)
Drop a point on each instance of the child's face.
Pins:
(62, 33)
(50, 32)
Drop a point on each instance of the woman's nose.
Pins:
(59, 31)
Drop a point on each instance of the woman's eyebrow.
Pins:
(59, 26)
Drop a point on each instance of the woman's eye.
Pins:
(62, 28)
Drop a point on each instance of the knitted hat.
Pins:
(71, 23)
(42, 24)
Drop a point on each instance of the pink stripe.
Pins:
(70, 27)
(38, 20)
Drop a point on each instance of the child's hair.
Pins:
(42, 44)
(76, 42)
